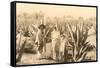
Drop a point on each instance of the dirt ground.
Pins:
(32, 58)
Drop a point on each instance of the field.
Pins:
(80, 35)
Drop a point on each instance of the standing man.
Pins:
(40, 40)
(55, 36)
(64, 41)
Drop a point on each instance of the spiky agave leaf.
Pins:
(78, 38)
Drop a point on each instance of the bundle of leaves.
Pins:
(79, 41)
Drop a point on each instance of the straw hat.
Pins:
(41, 26)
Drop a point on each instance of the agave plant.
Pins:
(78, 41)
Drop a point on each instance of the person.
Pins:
(39, 40)
(62, 47)
(55, 37)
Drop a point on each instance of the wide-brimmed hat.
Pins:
(41, 26)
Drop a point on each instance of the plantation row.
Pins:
(75, 31)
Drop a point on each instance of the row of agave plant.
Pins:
(78, 34)
(81, 46)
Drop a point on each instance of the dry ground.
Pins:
(32, 58)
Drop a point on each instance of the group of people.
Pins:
(58, 42)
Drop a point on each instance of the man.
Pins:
(62, 47)
(40, 40)
(55, 36)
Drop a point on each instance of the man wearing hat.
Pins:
(40, 40)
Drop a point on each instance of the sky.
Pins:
(56, 10)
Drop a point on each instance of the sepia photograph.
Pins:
(51, 34)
